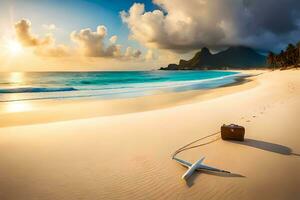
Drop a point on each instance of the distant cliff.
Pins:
(233, 57)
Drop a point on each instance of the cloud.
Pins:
(91, 44)
(183, 26)
(113, 39)
(132, 53)
(42, 46)
(150, 55)
(26, 38)
(49, 27)
(52, 51)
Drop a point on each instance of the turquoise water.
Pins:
(106, 85)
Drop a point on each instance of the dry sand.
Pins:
(126, 155)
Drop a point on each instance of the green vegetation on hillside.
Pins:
(288, 58)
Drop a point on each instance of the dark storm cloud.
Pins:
(276, 16)
(186, 25)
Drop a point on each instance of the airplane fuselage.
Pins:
(191, 169)
(196, 166)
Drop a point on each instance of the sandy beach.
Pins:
(121, 149)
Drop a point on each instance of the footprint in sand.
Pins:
(248, 121)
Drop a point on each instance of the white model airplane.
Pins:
(197, 166)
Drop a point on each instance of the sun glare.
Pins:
(16, 77)
(14, 47)
(17, 107)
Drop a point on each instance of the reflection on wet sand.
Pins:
(17, 106)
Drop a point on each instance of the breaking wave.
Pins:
(36, 89)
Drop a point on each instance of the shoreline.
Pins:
(43, 111)
(15, 90)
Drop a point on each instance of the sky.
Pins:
(79, 35)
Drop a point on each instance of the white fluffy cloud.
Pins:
(91, 44)
(42, 46)
(185, 25)
(113, 39)
(25, 36)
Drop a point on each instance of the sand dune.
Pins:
(128, 156)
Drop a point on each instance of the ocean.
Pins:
(21, 86)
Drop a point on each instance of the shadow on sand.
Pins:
(267, 146)
(190, 181)
(258, 144)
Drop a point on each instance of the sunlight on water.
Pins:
(17, 106)
(18, 86)
(16, 78)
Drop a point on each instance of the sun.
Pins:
(13, 47)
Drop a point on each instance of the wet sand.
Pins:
(44, 111)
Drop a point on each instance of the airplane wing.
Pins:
(200, 166)
(208, 168)
(182, 162)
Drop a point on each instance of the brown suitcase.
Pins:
(232, 132)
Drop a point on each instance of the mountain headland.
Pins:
(238, 57)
